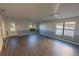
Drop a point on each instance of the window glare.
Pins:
(70, 22)
(70, 25)
(12, 27)
(69, 33)
(59, 25)
(58, 31)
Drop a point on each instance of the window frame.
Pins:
(63, 29)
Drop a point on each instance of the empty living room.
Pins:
(39, 29)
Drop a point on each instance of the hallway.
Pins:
(38, 45)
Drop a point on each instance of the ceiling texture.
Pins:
(38, 11)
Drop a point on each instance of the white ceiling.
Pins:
(40, 11)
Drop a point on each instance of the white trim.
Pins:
(15, 35)
(19, 35)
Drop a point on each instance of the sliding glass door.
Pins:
(65, 28)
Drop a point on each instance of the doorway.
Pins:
(32, 27)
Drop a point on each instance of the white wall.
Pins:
(19, 26)
(47, 26)
(2, 25)
(22, 26)
(49, 30)
(51, 25)
(2, 32)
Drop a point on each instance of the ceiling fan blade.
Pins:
(56, 7)
(54, 11)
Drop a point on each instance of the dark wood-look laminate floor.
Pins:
(38, 45)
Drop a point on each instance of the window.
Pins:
(12, 27)
(69, 28)
(59, 25)
(32, 27)
(59, 28)
(65, 28)
(59, 31)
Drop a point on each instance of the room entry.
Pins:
(32, 27)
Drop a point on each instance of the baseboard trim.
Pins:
(18, 35)
(60, 39)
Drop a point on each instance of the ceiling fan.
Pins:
(55, 12)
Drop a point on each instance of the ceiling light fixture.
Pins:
(54, 15)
